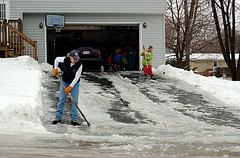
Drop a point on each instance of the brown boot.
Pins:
(56, 121)
(153, 78)
(74, 123)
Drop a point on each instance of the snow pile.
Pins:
(46, 67)
(20, 95)
(201, 56)
(225, 90)
(206, 56)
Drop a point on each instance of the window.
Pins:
(215, 63)
(4, 9)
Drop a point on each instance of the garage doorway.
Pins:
(111, 40)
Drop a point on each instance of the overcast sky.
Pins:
(238, 14)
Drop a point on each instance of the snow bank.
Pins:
(226, 91)
(20, 95)
(46, 67)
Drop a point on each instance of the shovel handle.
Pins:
(145, 56)
(74, 102)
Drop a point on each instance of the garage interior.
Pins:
(109, 39)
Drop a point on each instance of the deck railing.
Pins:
(13, 38)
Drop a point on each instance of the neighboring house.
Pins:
(204, 62)
(207, 64)
(106, 24)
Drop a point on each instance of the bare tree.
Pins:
(187, 24)
(225, 11)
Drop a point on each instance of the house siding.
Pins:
(31, 29)
(76, 11)
(87, 6)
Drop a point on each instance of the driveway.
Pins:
(132, 117)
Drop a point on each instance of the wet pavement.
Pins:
(211, 112)
(190, 103)
(119, 109)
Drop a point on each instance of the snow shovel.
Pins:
(145, 56)
(74, 102)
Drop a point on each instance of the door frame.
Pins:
(106, 23)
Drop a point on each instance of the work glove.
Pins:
(55, 72)
(68, 89)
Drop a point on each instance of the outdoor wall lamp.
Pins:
(41, 25)
(144, 25)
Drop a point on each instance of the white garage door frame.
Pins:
(139, 24)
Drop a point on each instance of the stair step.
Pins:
(9, 53)
(3, 48)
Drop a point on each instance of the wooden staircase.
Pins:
(13, 42)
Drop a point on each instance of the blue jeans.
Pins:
(62, 98)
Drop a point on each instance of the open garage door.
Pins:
(117, 45)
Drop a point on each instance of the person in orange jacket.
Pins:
(72, 69)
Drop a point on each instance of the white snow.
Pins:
(21, 106)
(20, 95)
(206, 56)
(201, 56)
(225, 90)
